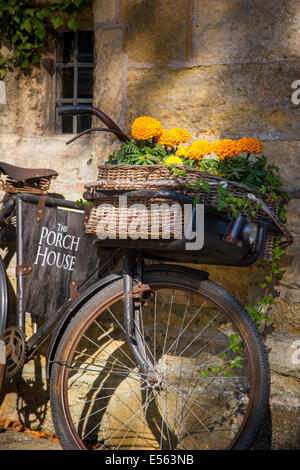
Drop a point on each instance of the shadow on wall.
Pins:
(223, 69)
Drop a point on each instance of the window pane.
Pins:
(68, 41)
(85, 46)
(65, 83)
(64, 124)
(84, 121)
(85, 82)
(67, 124)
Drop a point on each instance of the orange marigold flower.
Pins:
(199, 149)
(145, 127)
(251, 145)
(226, 148)
(183, 135)
(173, 136)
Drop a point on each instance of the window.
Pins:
(74, 78)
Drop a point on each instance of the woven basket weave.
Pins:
(137, 177)
(157, 218)
(134, 177)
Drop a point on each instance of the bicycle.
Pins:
(156, 356)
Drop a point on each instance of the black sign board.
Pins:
(58, 252)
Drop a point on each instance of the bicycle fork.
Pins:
(132, 317)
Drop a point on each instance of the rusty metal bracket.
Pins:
(24, 269)
(40, 208)
(73, 291)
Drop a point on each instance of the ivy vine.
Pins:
(25, 27)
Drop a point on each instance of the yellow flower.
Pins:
(173, 159)
(226, 148)
(251, 145)
(199, 149)
(181, 151)
(173, 136)
(145, 127)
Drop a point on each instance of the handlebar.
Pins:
(75, 109)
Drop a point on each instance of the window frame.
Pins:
(75, 65)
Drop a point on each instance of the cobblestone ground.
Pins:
(13, 440)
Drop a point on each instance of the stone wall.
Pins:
(221, 69)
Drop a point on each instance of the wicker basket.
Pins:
(157, 219)
(134, 177)
(118, 178)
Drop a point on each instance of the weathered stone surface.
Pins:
(104, 11)
(108, 84)
(284, 355)
(74, 163)
(219, 101)
(29, 107)
(157, 31)
(2, 92)
(12, 440)
(231, 31)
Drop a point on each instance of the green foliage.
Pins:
(259, 312)
(24, 27)
(141, 152)
(227, 200)
(256, 174)
(81, 202)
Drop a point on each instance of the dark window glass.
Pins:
(85, 83)
(66, 124)
(68, 47)
(85, 46)
(74, 77)
(84, 122)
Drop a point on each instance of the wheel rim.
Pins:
(195, 404)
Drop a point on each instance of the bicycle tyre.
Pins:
(173, 434)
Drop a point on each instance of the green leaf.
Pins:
(39, 28)
(57, 21)
(27, 25)
(73, 23)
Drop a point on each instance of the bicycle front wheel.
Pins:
(213, 377)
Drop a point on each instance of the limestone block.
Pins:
(2, 92)
(284, 355)
(219, 101)
(247, 31)
(74, 163)
(108, 71)
(285, 155)
(285, 406)
(104, 11)
(30, 101)
(157, 31)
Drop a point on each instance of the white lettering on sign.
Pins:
(46, 256)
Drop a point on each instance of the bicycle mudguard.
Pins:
(74, 307)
